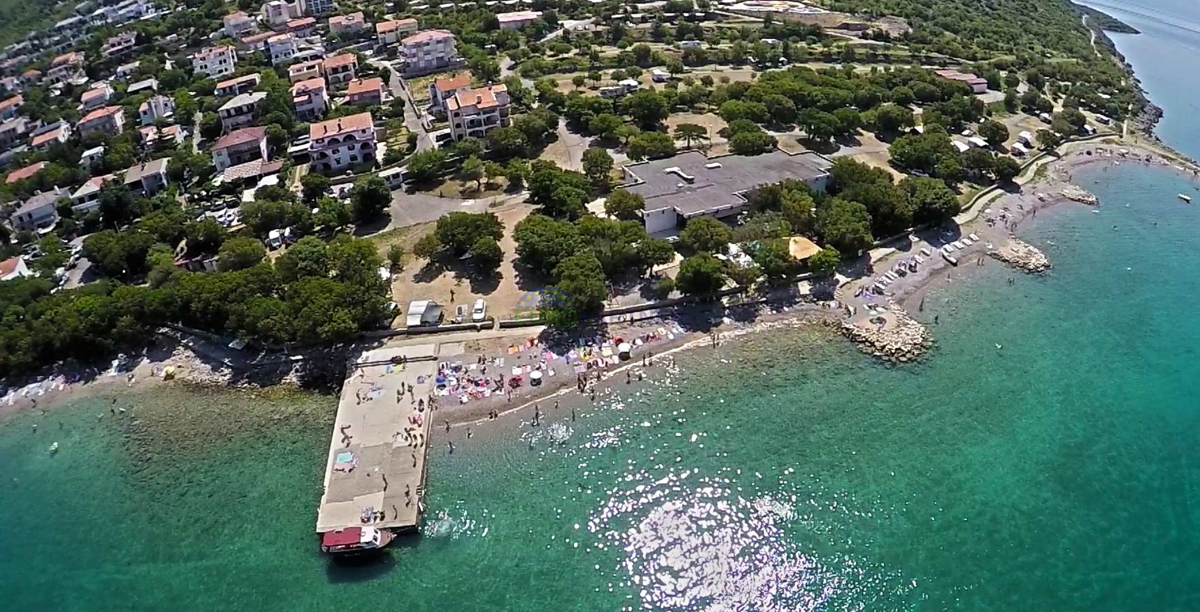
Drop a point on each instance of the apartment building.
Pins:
(342, 143)
(9, 107)
(14, 130)
(237, 85)
(518, 19)
(238, 24)
(215, 62)
(310, 99)
(239, 111)
(428, 51)
(39, 210)
(277, 12)
(365, 91)
(302, 27)
(475, 112)
(318, 7)
(96, 96)
(305, 71)
(87, 197)
(281, 48)
(239, 147)
(390, 32)
(444, 88)
(148, 178)
(117, 45)
(66, 67)
(50, 135)
(347, 25)
(107, 119)
(340, 69)
(155, 108)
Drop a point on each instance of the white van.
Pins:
(394, 177)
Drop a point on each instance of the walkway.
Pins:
(377, 452)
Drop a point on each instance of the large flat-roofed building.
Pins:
(517, 19)
(976, 83)
(691, 185)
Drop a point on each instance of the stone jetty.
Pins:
(889, 334)
(1022, 255)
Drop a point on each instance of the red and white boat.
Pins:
(355, 540)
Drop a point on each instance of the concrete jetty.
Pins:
(380, 438)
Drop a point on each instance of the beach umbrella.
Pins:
(623, 349)
(535, 378)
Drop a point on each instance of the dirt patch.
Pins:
(713, 123)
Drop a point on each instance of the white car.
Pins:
(479, 310)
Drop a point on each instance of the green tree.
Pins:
(313, 186)
(597, 164)
(544, 242)
(332, 213)
(654, 252)
(308, 257)
(581, 279)
(825, 261)
(472, 170)
(706, 235)
(647, 108)
(994, 132)
(1005, 168)
(844, 225)
(650, 145)
(701, 275)
(428, 246)
(624, 205)
(605, 125)
(240, 253)
(370, 197)
(459, 231)
(932, 200)
(424, 166)
(506, 142)
(486, 253)
(1048, 139)
(689, 133)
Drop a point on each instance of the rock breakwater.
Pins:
(889, 334)
(1022, 255)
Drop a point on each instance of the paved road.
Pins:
(413, 119)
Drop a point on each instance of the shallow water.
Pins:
(782, 471)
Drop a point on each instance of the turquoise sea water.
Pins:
(783, 471)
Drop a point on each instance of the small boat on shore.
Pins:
(355, 540)
(949, 258)
(1185, 198)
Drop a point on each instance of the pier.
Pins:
(375, 473)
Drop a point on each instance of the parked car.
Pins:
(479, 310)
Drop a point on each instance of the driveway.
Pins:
(413, 119)
(568, 150)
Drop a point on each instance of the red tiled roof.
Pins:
(238, 80)
(8, 266)
(13, 101)
(363, 86)
(448, 84)
(92, 93)
(242, 136)
(342, 59)
(395, 24)
(428, 35)
(45, 137)
(100, 113)
(351, 19)
(24, 173)
(341, 125)
(308, 85)
(484, 97)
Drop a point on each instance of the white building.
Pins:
(518, 19)
(9, 107)
(427, 52)
(239, 24)
(338, 144)
(39, 210)
(281, 48)
(119, 44)
(107, 119)
(318, 7)
(277, 12)
(50, 135)
(155, 108)
(239, 147)
(11, 269)
(148, 178)
(215, 62)
(239, 111)
(310, 99)
(238, 85)
(340, 69)
(66, 67)
(87, 197)
(475, 112)
(389, 32)
(347, 25)
(97, 95)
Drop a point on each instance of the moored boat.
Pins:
(1185, 198)
(353, 540)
